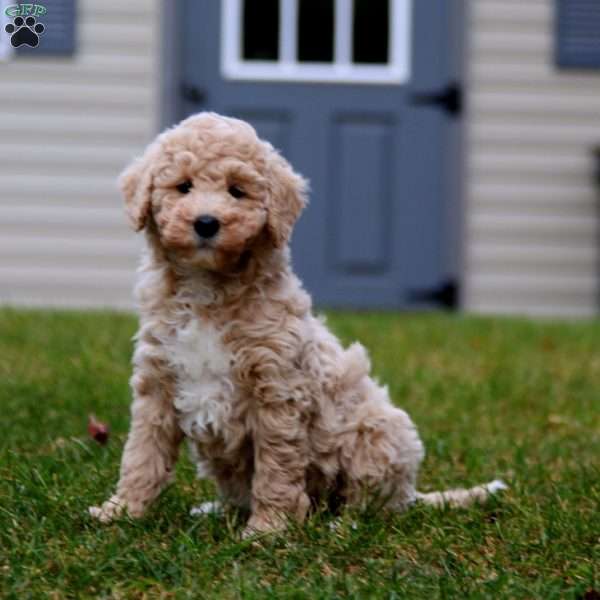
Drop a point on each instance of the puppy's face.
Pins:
(214, 192)
(208, 213)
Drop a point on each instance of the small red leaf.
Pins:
(98, 430)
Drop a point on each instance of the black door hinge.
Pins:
(449, 99)
(445, 295)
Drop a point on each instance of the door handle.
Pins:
(192, 93)
(449, 99)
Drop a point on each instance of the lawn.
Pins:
(492, 398)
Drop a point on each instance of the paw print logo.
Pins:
(25, 32)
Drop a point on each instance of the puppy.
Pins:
(229, 355)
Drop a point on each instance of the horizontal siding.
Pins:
(534, 305)
(532, 233)
(71, 278)
(67, 156)
(548, 261)
(95, 127)
(20, 250)
(545, 105)
(557, 135)
(504, 74)
(91, 219)
(537, 197)
(81, 287)
(96, 69)
(68, 126)
(79, 185)
(75, 94)
(501, 13)
(110, 8)
(522, 230)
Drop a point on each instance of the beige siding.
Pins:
(67, 128)
(532, 211)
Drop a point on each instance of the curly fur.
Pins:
(229, 354)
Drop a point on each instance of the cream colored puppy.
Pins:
(229, 354)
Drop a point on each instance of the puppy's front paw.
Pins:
(113, 508)
(259, 525)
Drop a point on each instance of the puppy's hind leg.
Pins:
(381, 453)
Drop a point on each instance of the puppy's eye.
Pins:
(185, 186)
(236, 192)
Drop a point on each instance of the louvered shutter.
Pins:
(578, 33)
(59, 33)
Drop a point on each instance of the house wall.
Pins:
(531, 231)
(68, 126)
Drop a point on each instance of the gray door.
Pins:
(340, 87)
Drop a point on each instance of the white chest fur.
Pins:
(204, 385)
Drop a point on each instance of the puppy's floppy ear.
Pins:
(286, 199)
(135, 184)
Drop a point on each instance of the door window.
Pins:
(344, 41)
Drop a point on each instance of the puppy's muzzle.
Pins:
(206, 226)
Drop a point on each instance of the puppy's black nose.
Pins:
(206, 226)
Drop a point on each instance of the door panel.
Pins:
(373, 231)
(360, 192)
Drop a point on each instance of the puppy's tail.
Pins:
(462, 497)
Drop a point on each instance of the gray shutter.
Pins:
(578, 33)
(59, 34)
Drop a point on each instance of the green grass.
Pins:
(492, 398)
